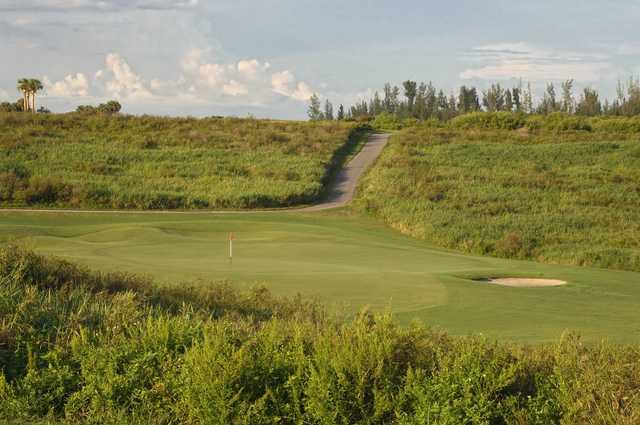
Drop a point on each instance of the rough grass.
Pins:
(567, 197)
(81, 347)
(124, 162)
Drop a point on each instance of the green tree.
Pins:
(111, 107)
(24, 87)
(34, 86)
(493, 98)
(314, 112)
(328, 110)
(508, 100)
(410, 91)
(341, 115)
(549, 103)
(528, 100)
(589, 103)
(516, 94)
(468, 100)
(568, 103)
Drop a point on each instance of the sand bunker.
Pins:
(526, 283)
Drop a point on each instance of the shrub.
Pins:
(489, 120)
(46, 190)
(386, 121)
(85, 347)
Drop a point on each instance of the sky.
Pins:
(265, 58)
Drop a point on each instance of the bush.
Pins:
(616, 124)
(47, 191)
(386, 121)
(559, 122)
(489, 120)
(85, 347)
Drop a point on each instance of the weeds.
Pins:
(563, 197)
(84, 347)
(125, 162)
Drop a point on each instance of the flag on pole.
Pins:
(232, 237)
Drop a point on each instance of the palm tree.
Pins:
(34, 87)
(24, 87)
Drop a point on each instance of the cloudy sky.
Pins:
(266, 57)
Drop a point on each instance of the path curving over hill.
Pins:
(344, 186)
(340, 194)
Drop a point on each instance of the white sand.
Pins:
(527, 283)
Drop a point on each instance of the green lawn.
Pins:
(347, 262)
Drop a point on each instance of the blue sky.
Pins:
(222, 57)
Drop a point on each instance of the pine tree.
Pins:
(508, 101)
(516, 93)
(314, 112)
(528, 100)
(328, 110)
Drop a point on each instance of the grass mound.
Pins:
(559, 197)
(126, 162)
(83, 347)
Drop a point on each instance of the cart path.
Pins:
(340, 194)
(345, 184)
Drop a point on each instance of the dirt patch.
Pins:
(525, 282)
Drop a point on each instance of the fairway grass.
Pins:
(348, 263)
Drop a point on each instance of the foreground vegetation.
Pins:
(106, 161)
(556, 189)
(84, 347)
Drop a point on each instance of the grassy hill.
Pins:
(126, 162)
(83, 347)
(557, 196)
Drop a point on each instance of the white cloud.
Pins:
(234, 88)
(119, 79)
(251, 68)
(23, 20)
(70, 86)
(97, 4)
(248, 78)
(285, 83)
(200, 79)
(520, 60)
(4, 95)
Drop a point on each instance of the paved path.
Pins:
(344, 186)
(340, 194)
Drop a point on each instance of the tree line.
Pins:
(424, 101)
(29, 87)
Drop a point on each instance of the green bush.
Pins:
(616, 124)
(489, 120)
(386, 121)
(84, 347)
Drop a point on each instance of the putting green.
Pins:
(347, 262)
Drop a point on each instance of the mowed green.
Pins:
(345, 261)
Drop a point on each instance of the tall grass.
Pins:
(83, 347)
(101, 161)
(564, 196)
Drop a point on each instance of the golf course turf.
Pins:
(347, 262)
